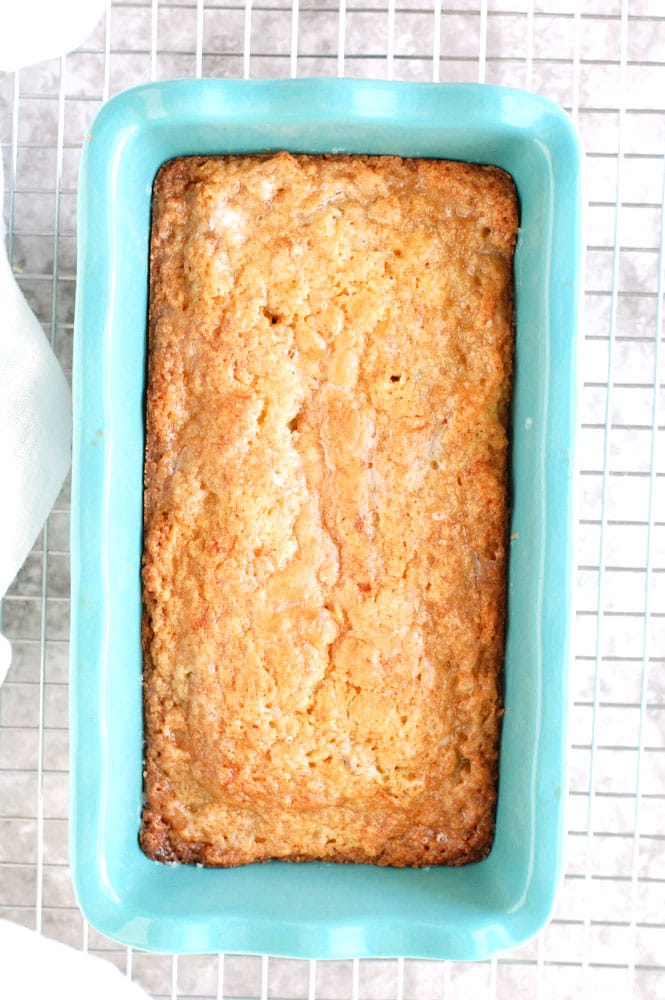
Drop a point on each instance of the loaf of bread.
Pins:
(324, 571)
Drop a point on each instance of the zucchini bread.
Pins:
(326, 510)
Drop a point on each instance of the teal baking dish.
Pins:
(318, 910)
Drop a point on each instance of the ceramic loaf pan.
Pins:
(318, 910)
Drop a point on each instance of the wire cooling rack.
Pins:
(604, 61)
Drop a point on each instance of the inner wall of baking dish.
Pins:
(332, 897)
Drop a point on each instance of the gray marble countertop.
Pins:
(604, 61)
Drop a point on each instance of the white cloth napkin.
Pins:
(34, 30)
(35, 428)
(35, 422)
(32, 966)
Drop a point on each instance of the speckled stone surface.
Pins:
(606, 937)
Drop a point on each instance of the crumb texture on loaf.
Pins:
(330, 349)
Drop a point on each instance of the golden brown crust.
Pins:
(330, 351)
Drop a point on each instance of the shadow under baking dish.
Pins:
(318, 910)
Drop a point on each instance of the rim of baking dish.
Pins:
(318, 910)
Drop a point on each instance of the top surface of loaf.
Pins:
(325, 508)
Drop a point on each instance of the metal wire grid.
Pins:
(604, 61)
